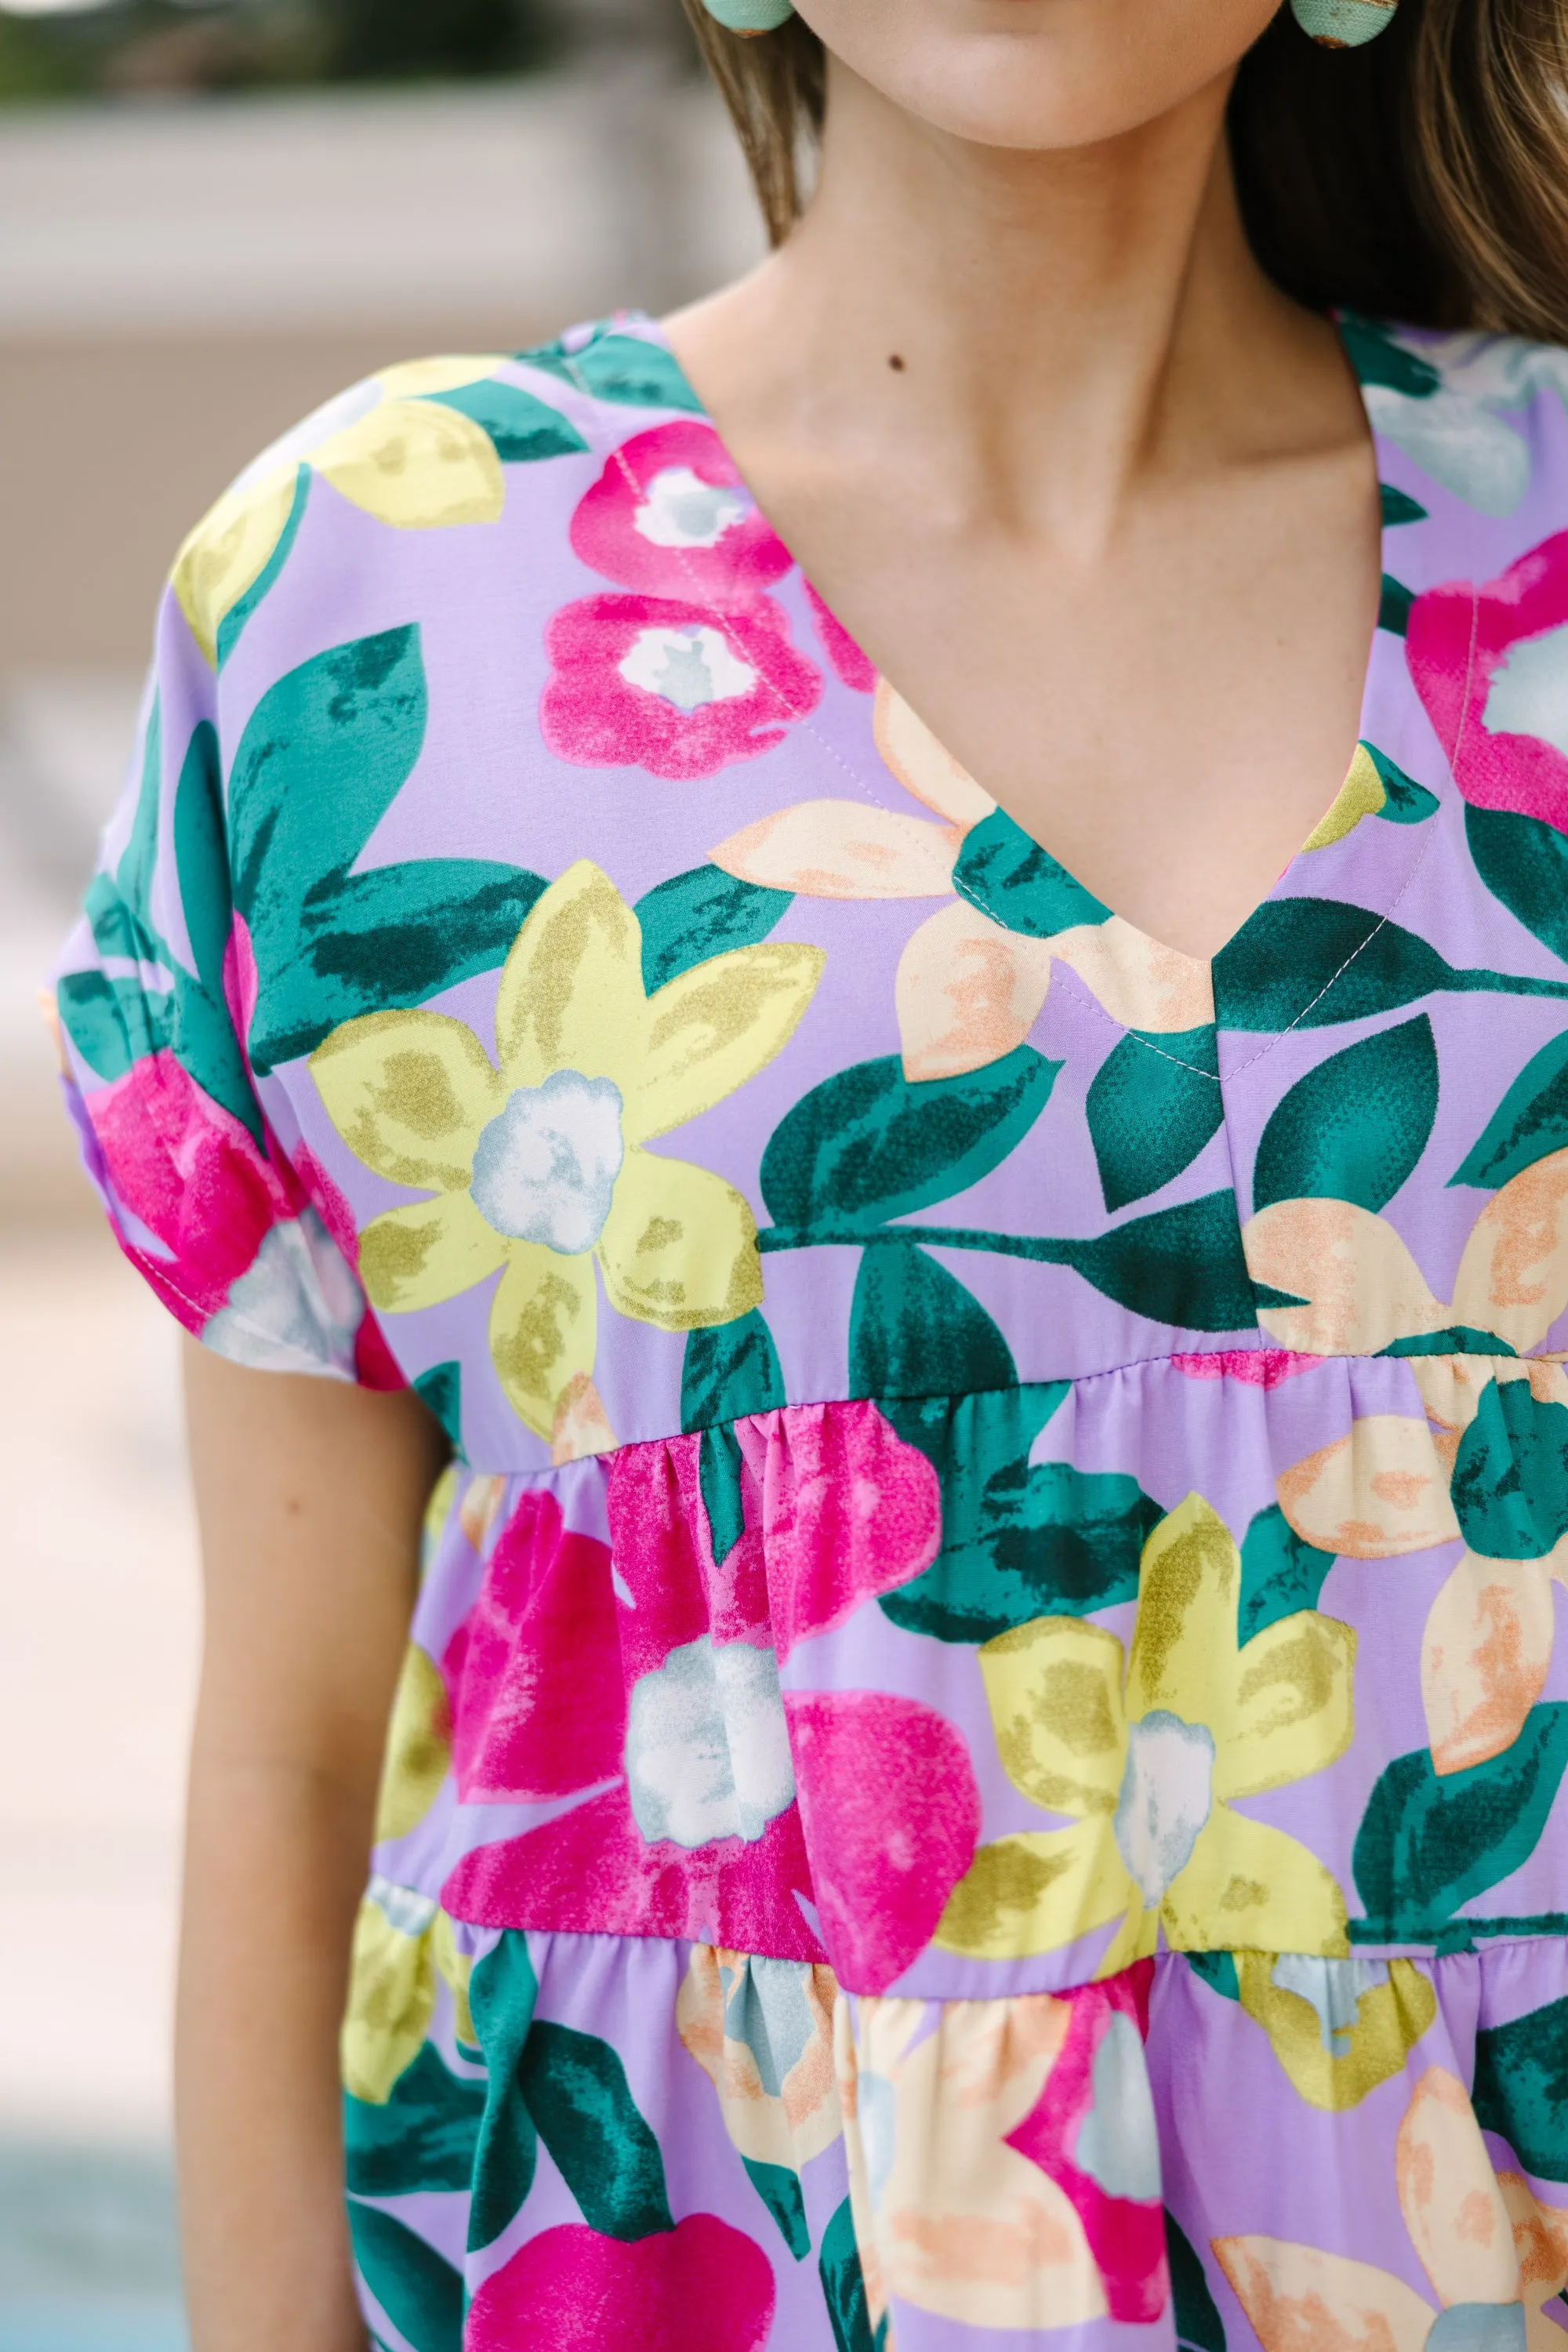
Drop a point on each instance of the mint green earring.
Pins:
(1340, 24)
(750, 15)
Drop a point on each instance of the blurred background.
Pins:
(213, 215)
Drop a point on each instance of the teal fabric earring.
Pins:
(751, 15)
(1340, 24)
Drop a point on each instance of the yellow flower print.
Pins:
(419, 1747)
(1338, 2027)
(402, 1945)
(1382, 1491)
(1150, 1768)
(1483, 2240)
(968, 990)
(538, 1165)
(390, 446)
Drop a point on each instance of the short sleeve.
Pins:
(201, 1193)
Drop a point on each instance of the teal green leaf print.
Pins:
(1355, 1126)
(240, 610)
(1199, 2328)
(1311, 963)
(1050, 1542)
(424, 2136)
(1010, 878)
(1217, 1970)
(1153, 1104)
(1398, 506)
(1280, 1573)
(779, 2189)
(441, 1390)
(620, 368)
(1510, 1482)
(1427, 1845)
(1522, 2087)
(392, 937)
(1378, 359)
(1523, 861)
(969, 1438)
(718, 1478)
(843, 2287)
(1393, 606)
(324, 754)
(1404, 801)
(1181, 1265)
(915, 1330)
(866, 1144)
(1530, 1122)
(140, 855)
(1018, 1542)
(502, 1991)
(522, 427)
(322, 757)
(577, 2093)
(1453, 1339)
(730, 1369)
(113, 1022)
(700, 914)
(419, 2290)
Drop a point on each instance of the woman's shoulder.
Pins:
(377, 479)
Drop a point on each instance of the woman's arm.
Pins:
(309, 1496)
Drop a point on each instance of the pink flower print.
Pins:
(664, 1557)
(591, 1871)
(702, 2286)
(225, 1238)
(892, 1816)
(1486, 662)
(1258, 1368)
(375, 1365)
(681, 689)
(190, 1176)
(306, 1180)
(848, 661)
(849, 1510)
(1093, 2132)
(534, 1669)
(669, 515)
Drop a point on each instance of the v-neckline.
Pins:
(1198, 965)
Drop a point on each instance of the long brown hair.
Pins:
(1422, 177)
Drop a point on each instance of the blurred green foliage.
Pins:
(165, 47)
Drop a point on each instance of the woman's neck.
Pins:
(1054, 324)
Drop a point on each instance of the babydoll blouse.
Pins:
(981, 1757)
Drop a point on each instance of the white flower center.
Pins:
(1118, 2142)
(680, 510)
(706, 1747)
(690, 667)
(1529, 694)
(1167, 1795)
(545, 1167)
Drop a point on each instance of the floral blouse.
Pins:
(981, 1757)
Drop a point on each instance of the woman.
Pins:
(981, 1755)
